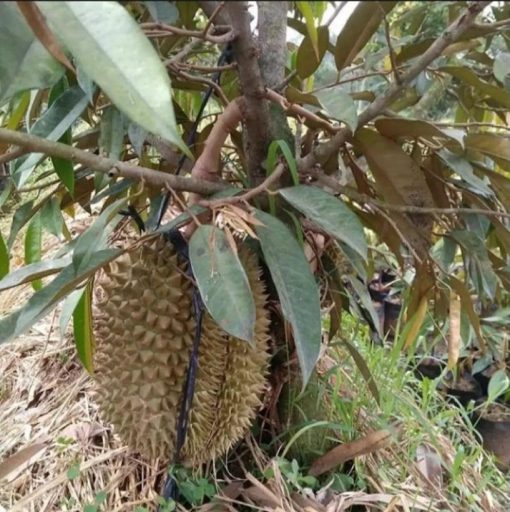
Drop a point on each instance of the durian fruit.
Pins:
(144, 331)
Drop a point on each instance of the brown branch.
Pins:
(207, 69)
(271, 180)
(211, 10)
(256, 114)
(33, 144)
(156, 29)
(322, 152)
(206, 168)
(352, 194)
(201, 80)
(214, 14)
(12, 155)
(300, 111)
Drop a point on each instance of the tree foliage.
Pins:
(403, 147)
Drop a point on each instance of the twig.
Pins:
(333, 184)
(201, 80)
(38, 187)
(335, 13)
(210, 9)
(349, 80)
(250, 194)
(322, 152)
(156, 29)
(12, 155)
(286, 81)
(213, 15)
(469, 125)
(184, 52)
(207, 69)
(391, 50)
(300, 111)
(113, 168)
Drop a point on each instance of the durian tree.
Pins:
(238, 205)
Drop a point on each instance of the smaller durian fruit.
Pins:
(144, 331)
(230, 380)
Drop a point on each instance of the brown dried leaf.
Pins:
(428, 464)
(22, 457)
(37, 23)
(362, 446)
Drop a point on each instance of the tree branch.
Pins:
(33, 144)
(211, 10)
(322, 152)
(256, 112)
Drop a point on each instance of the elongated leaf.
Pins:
(33, 245)
(501, 67)
(360, 27)
(164, 12)
(111, 137)
(308, 59)
(222, 282)
(411, 128)
(24, 62)
(51, 217)
(306, 10)
(466, 75)
(82, 328)
(94, 238)
(464, 169)
(20, 218)
(4, 258)
(490, 144)
(287, 153)
(68, 307)
(44, 300)
(98, 35)
(339, 105)
(296, 286)
(330, 214)
(33, 271)
(64, 111)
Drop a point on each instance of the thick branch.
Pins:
(210, 8)
(256, 114)
(451, 34)
(33, 144)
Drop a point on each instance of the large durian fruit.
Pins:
(144, 330)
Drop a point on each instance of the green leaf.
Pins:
(111, 137)
(33, 271)
(51, 217)
(163, 12)
(137, 136)
(98, 35)
(289, 157)
(222, 282)
(464, 169)
(339, 105)
(22, 215)
(356, 33)
(64, 111)
(307, 59)
(33, 245)
(82, 328)
(498, 384)
(44, 300)
(411, 129)
(296, 286)
(95, 237)
(4, 258)
(306, 10)
(330, 214)
(68, 307)
(24, 62)
(501, 67)
(86, 84)
(469, 77)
